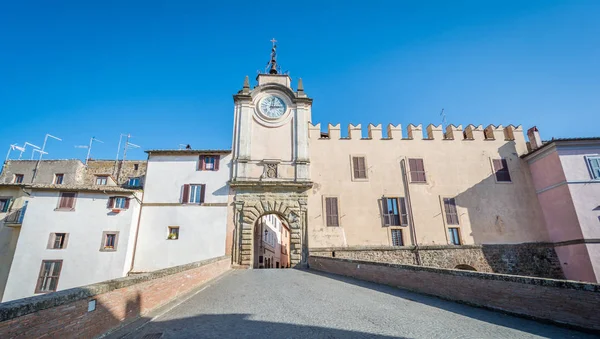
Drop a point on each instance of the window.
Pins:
(173, 233)
(133, 182)
(101, 179)
(417, 170)
(331, 211)
(359, 170)
(4, 204)
(58, 178)
(67, 201)
(394, 212)
(193, 194)
(454, 236)
(58, 241)
(121, 203)
(48, 277)
(450, 210)
(208, 163)
(110, 241)
(397, 238)
(136, 167)
(18, 179)
(501, 170)
(594, 164)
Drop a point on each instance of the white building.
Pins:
(72, 236)
(184, 214)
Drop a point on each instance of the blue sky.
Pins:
(166, 71)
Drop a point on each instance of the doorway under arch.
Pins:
(271, 242)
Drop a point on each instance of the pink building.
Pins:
(566, 177)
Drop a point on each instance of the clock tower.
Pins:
(270, 168)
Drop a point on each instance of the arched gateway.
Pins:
(270, 168)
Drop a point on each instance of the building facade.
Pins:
(566, 177)
(184, 213)
(62, 227)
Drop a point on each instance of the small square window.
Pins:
(58, 241)
(4, 205)
(18, 179)
(501, 170)
(417, 170)
(359, 167)
(208, 163)
(67, 201)
(58, 178)
(397, 239)
(109, 241)
(120, 202)
(173, 233)
(136, 167)
(101, 179)
(48, 277)
(133, 182)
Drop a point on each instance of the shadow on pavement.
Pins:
(238, 326)
(481, 314)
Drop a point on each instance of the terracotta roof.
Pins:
(189, 151)
(546, 143)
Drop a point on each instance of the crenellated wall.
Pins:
(457, 163)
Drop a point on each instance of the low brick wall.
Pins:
(529, 259)
(559, 301)
(65, 314)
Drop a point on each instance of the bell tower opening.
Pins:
(271, 242)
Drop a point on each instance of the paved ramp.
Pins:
(307, 304)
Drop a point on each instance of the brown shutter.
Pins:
(331, 211)
(450, 210)
(201, 163)
(355, 167)
(217, 161)
(186, 194)
(412, 168)
(497, 165)
(402, 211)
(384, 210)
(127, 203)
(202, 192)
(421, 169)
(362, 171)
(111, 202)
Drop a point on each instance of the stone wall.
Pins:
(532, 259)
(121, 171)
(558, 301)
(68, 313)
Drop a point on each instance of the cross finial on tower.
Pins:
(272, 64)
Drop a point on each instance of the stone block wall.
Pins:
(120, 171)
(558, 301)
(65, 314)
(532, 259)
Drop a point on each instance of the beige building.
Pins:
(380, 187)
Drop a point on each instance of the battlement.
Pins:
(415, 132)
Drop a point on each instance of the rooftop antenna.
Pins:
(119, 150)
(89, 148)
(12, 148)
(37, 150)
(182, 146)
(127, 145)
(25, 147)
(44, 145)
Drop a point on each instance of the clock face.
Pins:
(272, 107)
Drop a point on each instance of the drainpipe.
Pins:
(137, 229)
(413, 230)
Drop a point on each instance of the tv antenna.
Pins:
(89, 148)
(443, 115)
(44, 145)
(24, 147)
(37, 150)
(14, 147)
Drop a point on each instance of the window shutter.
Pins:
(331, 211)
(201, 163)
(127, 203)
(595, 166)
(497, 165)
(362, 171)
(355, 167)
(186, 194)
(202, 192)
(505, 170)
(421, 168)
(403, 211)
(111, 202)
(217, 161)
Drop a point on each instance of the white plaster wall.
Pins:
(202, 229)
(83, 262)
(166, 175)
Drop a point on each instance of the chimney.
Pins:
(534, 138)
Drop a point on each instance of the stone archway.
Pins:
(250, 206)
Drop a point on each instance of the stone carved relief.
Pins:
(271, 170)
